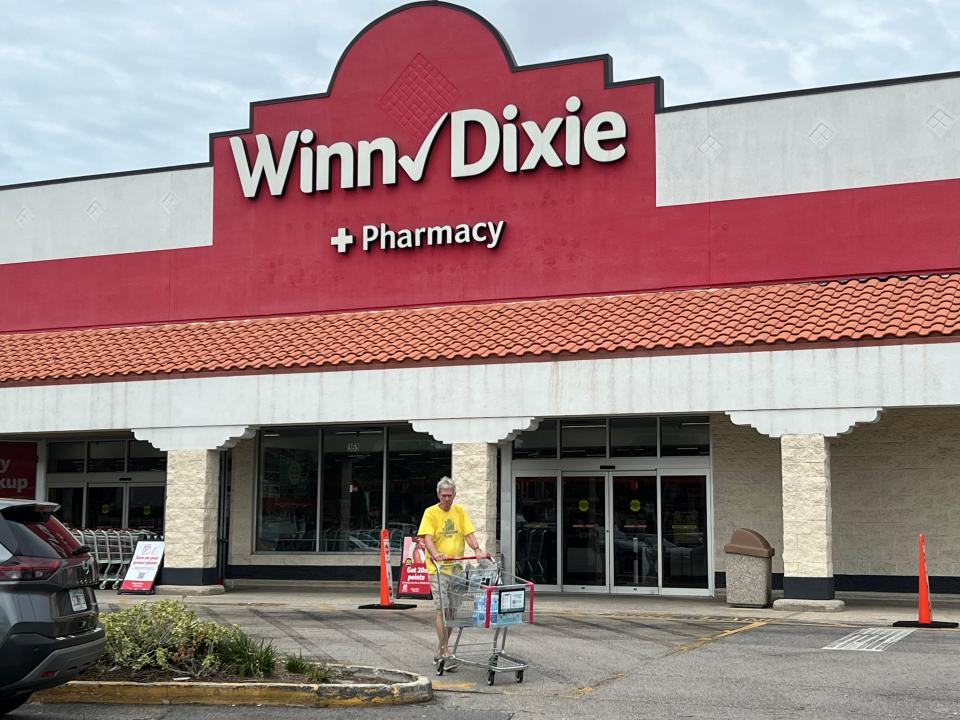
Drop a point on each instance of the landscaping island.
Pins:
(161, 653)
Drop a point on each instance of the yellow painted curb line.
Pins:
(453, 686)
(399, 688)
(700, 642)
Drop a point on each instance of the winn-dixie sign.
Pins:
(560, 141)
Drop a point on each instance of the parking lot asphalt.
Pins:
(610, 656)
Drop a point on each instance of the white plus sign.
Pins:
(342, 240)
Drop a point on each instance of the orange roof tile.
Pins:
(871, 309)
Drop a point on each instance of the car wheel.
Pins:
(9, 703)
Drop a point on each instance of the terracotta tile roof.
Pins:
(851, 310)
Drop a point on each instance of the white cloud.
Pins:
(99, 87)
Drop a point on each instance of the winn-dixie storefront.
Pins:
(624, 329)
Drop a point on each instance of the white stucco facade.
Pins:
(158, 210)
(850, 382)
(810, 143)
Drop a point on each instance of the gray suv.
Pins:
(49, 618)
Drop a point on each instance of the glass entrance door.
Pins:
(615, 531)
(634, 521)
(105, 506)
(584, 556)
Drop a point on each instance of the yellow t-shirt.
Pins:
(448, 530)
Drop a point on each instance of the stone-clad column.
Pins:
(475, 473)
(807, 522)
(190, 520)
(243, 491)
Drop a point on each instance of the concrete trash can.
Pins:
(749, 573)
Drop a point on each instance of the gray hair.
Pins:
(446, 482)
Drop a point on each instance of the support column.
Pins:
(807, 524)
(475, 473)
(190, 522)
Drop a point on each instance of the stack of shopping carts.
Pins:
(113, 550)
(480, 594)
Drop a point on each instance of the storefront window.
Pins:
(352, 501)
(70, 500)
(106, 456)
(144, 457)
(536, 527)
(355, 464)
(145, 507)
(288, 490)
(680, 436)
(684, 436)
(98, 483)
(539, 443)
(66, 457)
(583, 437)
(633, 437)
(416, 462)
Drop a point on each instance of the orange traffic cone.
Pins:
(386, 579)
(924, 609)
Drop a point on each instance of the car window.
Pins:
(39, 534)
(4, 553)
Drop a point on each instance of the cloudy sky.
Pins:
(107, 85)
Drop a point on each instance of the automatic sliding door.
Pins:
(634, 502)
(620, 531)
(584, 532)
(105, 506)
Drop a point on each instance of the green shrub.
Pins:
(240, 653)
(320, 674)
(313, 672)
(296, 664)
(162, 635)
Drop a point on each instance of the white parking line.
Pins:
(870, 639)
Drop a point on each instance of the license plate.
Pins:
(78, 600)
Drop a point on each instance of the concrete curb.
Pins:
(373, 686)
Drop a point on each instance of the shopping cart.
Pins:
(113, 550)
(480, 594)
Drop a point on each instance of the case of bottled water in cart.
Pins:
(480, 597)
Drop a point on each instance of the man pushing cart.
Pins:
(477, 593)
(447, 531)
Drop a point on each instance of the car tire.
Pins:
(9, 703)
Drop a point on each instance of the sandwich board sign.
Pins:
(414, 581)
(142, 573)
